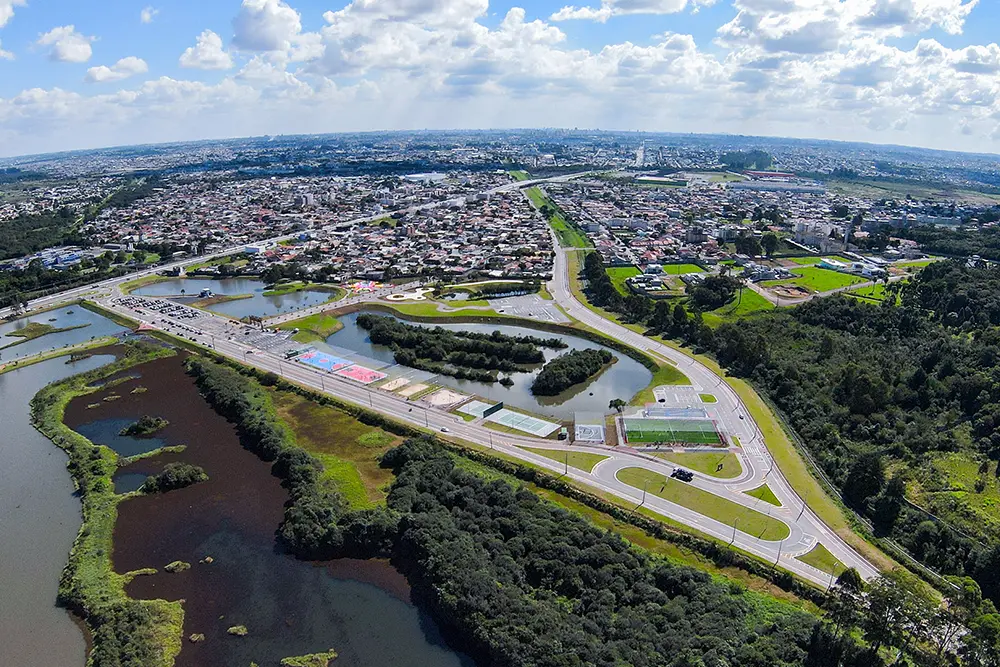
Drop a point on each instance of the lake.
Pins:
(92, 326)
(361, 609)
(188, 289)
(622, 380)
(39, 519)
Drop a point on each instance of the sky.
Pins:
(91, 73)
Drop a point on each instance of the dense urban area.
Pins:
(540, 397)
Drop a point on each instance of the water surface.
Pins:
(60, 318)
(360, 609)
(39, 519)
(622, 380)
(258, 304)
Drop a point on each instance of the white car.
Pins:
(444, 429)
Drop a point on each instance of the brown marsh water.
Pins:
(361, 609)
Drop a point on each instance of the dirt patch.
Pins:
(444, 398)
(412, 389)
(393, 385)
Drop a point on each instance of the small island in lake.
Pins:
(569, 369)
(145, 426)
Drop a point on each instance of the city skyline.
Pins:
(919, 73)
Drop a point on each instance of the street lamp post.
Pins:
(780, 544)
(736, 521)
(644, 485)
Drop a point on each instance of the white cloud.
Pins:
(68, 46)
(611, 8)
(830, 68)
(7, 10)
(123, 69)
(207, 53)
(5, 55)
(265, 25)
(148, 14)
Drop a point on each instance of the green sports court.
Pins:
(689, 431)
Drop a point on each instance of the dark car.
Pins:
(682, 474)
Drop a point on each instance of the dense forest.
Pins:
(966, 242)
(884, 397)
(880, 394)
(740, 160)
(569, 369)
(463, 354)
(30, 233)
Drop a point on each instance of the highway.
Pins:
(805, 529)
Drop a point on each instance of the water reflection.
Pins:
(622, 380)
(39, 519)
(189, 289)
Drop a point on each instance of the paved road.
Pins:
(735, 420)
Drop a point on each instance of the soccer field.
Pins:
(690, 431)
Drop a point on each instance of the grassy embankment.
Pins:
(294, 286)
(713, 506)
(34, 330)
(569, 235)
(764, 493)
(821, 559)
(90, 587)
(313, 328)
(581, 460)
(707, 462)
(82, 349)
(619, 274)
(132, 285)
(519, 175)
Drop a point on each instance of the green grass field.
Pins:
(666, 375)
(580, 460)
(681, 269)
(751, 302)
(671, 430)
(313, 328)
(707, 462)
(348, 449)
(821, 559)
(816, 279)
(619, 274)
(874, 292)
(518, 174)
(722, 510)
(764, 492)
(708, 398)
(811, 260)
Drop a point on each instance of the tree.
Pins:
(770, 243)
(747, 244)
(617, 404)
(865, 479)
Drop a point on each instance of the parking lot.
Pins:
(530, 306)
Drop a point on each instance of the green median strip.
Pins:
(764, 492)
(821, 559)
(714, 507)
(722, 464)
(581, 460)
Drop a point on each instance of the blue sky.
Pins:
(85, 73)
